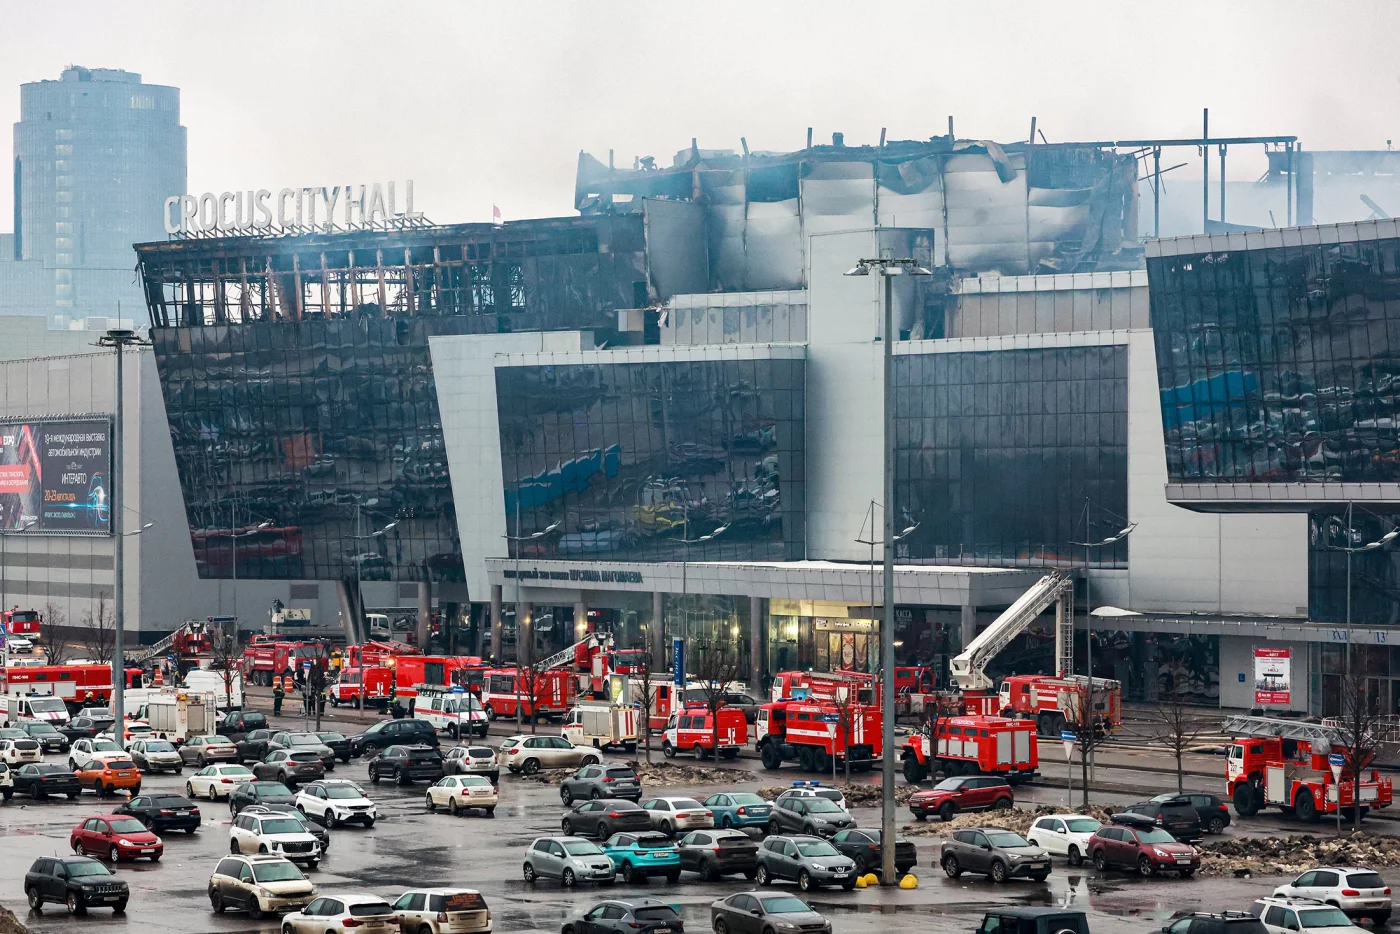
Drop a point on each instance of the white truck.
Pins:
(177, 715)
(602, 725)
(228, 695)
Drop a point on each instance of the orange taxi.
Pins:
(107, 776)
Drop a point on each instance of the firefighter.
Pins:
(278, 692)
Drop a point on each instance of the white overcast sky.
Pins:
(491, 102)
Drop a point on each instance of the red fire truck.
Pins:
(376, 653)
(78, 685)
(437, 670)
(1284, 764)
(553, 695)
(22, 622)
(363, 686)
(1045, 699)
(693, 730)
(803, 730)
(266, 658)
(968, 745)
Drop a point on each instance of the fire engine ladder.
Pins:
(161, 647)
(566, 657)
(1283, 729)
(969, 669)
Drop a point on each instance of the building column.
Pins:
(496, 623)
(425, 613)
(967, 629)
(580, 620)
(657, 633)
(755, 644)
(350, 620)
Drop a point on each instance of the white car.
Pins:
(277, 834)
(1361, 893)
(443, 911)
(85, 750)
(217, 781)
(343, 913)
(16, 751)
(19, 645)
(671, 814)
(1064, 835)
(1302, 916)
(813, 789)
(336, 801)
(456, 792)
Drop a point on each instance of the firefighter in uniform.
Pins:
(278, 692)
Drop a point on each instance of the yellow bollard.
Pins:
(910, 881)
(871, 879)
(860, 882)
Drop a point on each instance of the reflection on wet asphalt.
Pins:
(409, 846)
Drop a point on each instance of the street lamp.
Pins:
(872, 541)
(887, 268)
(1088, 621)
(520, 640)
(1350, 549)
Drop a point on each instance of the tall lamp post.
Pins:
(687, 541)
(519, 539)
(1350, 549)
(119, 339)
(887, 268)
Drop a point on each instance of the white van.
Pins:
(456, 713)
(226, 697)
(45, 707)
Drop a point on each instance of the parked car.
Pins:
(117, 837)
(569, 859)
(628, 916)
(388, 733)
(815, 789)
(473, 760)
(18, 751)
(1064, 835)
(1140, 844)
(808, 860)
(609, 780)
(1213, 814)
(715, 853)
(217, 781)
(756, 912)
(639, 855)
(256, 792)
(604, 817)
(343, 913)
(529, 754)
(1224, 922)
(7, 781)
(443, 911)
(303, 742)
(278, 834)
(864, 849)
(407, 764)
(104, 776)
(254, 745)
(322, 835)
(86, 749)
(459, 792)
(202, 750)
(85, 727)
(1033, 920)
(335, 802)
(739, 809)
(103, 715)
(290, 767)
(163, 812)
(156, 755)
(46, 735)
(995, 852)
(670, 815)
(963, 793)
(40, 780)
(259, 885)
(808, 814)
(80, 882)
(1305, 915)
(1175, 816)
(339, 743)
(237, 724)
(1360, 892)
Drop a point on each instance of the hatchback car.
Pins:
(303, 742)
(1140, 845)
(202, 750)
(1301, 916)
(117, 837)
(643, 915)
(473, 760)
(237, 724)
(290, 767)
(1175, 815)
(77, 881)
(670, 815)
(460, 792)
(1360, 892)
(609, 780)
(258, 885)
(46, 735)
(569, 859)
(338, 742)
(335, 802)
(163, 812)
(156, 755)
(755, 912)
(85, 749)
(639, 855)
(809, 861)
(963, 793)
(604, 817)
(995, 852)
(1064, 835)
(864, 849)
(443, 911)
(407, 764)
(105, 776)
(741, 809)
(813, 816)
(258, 792)
(17, 751)
(217, 781)
(529, 754)
(277, 834)
(1212, 812)
(41, 780)
(343, 913)
(715, 853)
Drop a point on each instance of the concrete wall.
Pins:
(25, 336)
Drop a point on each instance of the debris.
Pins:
(9, 924)
(1017, 819)
(1243, 856)
(670, 774)
(857, 796)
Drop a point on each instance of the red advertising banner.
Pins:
(14, 478)
(1273, 677)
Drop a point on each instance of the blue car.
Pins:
(739, 810)
(638, 855)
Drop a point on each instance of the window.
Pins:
(613, 913)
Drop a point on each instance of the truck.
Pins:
(553, 695)
(228, 692)
(602, 726)
(1048, 700)
(374, 652)
(1284, 763)
(267, 657)
(78, 685)
(664, 697)
(177, 716)
(812, 731)
(19, 622)
(972, 745)
(693, 730)
(363, 686)
(454, 710)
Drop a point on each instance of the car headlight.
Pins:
(1161, 852)
(819, 867)
(125, 842)
(265, 893)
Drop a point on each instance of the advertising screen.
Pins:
(54, 476)
(1273, 677)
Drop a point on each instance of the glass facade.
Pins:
(1375, 575)
(999, 453)
(633, 459)
(1280, 364)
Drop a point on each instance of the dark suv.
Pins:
(1211, 811)
(1176, 816)
(966, 793)
(601, 781)
(239, 723)
(1225, 922)
(77, 881)
(407, 764)
(388, 733)
(1033, 920)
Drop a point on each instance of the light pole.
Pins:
(118, 339)
(359, 565)
(1381, 542)
(685, 557)
(518, 539)
(872, 541)
(887, 268)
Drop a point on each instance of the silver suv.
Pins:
(995, 852)
(569, 859)
(529, 754)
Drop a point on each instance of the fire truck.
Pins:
(21, 622)
(437, 670)
(376, 653)
(553, 695)
(802, 730)
(1284, 764)
(1046, 700)
(78, 685)
(969, 745)
(265, 658)
(363, 686)
(693, 730)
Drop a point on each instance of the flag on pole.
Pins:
(495, 214)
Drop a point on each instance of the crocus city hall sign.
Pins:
(342, 206)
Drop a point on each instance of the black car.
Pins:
(76, 881)
(163, 811)
(322, 836)
(863, 847)
(339, 743)
(1223, 922)
(239, 723)
(1177, 818)
(84, 727)
(604, 817)
(254, 746)
(1211, 811)
(39, 780)
(48, 738)
(756, 912)
(626, 916)
(715, 853)
(388, 733)
(1033, 920)
(259, 793)
(407, 764)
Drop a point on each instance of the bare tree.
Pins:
(1083, 708)
(99, 632)
(1359, 726)
(224, 657)
(717, 668)
(56, 650)
(1177, 727)
(648, 691)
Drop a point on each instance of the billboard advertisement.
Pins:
(1273, 677)
(54, 476)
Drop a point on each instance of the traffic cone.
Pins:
(160, 678)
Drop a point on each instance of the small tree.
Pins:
(1177, 727)
(1083, 708)
(223, 658)
(648, 690)
(99, 635)
(717, 668)
(56, 650)
(1359, 733)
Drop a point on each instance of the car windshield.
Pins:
(655, 843)
(106, 745)
(120, 764)
(97, 711)
(171, 801)
(277, 872)
(234, 770)
(1158, 799)
(217, 741)
(822, 806)
(783, 904)
(40, 728)
(51, 770)
(581, 848)
(304, 757)
(254, 721)
(158, 745)
(127, 825)
(816, 848)
(343, 791)
(1155, 835)
(1007, 839)
(304, 739)
(1365, 880)
(683, 803)
(1323, 918)
(332, 737)
(628, 773)
(747, 798)
(1083, 825)
(656, 913)
(267, 789)
(47, 705)
(281, 825)
(948, 784)
(87, 867)
(370, 909)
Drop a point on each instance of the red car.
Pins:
(116, 837)
(1141, 845)
(964, 793)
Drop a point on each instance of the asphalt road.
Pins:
(410, 847)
